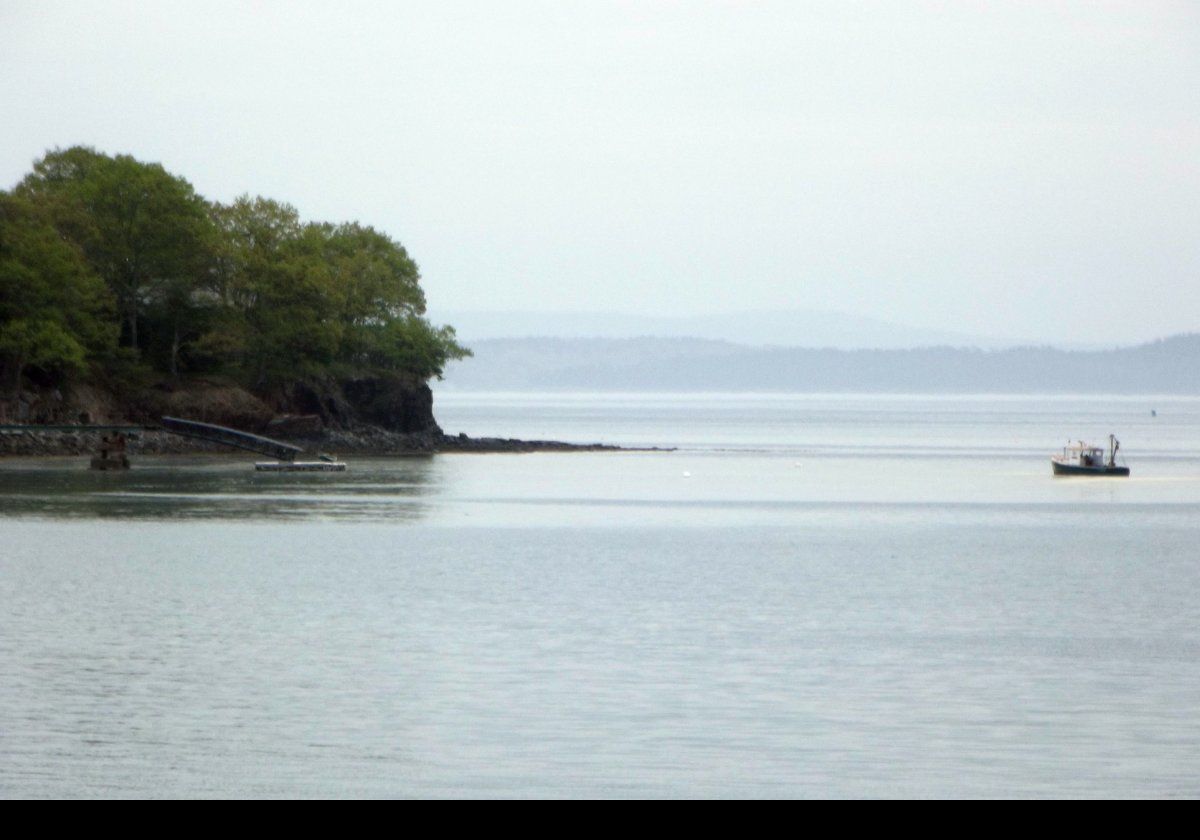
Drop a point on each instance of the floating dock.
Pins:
(300, 466)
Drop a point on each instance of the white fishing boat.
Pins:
(1084, 459)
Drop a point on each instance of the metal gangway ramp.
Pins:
(231, 437)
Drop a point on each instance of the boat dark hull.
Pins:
(1072, 469)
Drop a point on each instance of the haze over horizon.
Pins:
(1025, 171)
(751, 328)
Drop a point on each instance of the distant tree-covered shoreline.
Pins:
(113, 267)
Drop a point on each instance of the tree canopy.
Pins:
(110, 260)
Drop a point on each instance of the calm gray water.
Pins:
(813, 596)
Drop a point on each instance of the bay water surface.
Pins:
(808, 595)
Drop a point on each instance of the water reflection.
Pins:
(187, 488)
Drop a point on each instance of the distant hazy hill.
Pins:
(789, 328)
(680, 364)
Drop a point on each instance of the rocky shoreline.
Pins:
(369, 416)
(365, 440)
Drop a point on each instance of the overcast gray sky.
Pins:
(1025, 169)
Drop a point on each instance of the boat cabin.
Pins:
(1084, 455)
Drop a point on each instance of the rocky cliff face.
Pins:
(391, 405)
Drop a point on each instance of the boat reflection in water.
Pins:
(1084, 459)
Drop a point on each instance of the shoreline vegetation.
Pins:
(115, 270)
(125, 296)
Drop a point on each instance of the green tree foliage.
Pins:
(142, 229)
(307, 299)
(409, 343)
(105, 250)
(43, 343)
(55, 313)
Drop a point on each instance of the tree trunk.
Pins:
(131, 318)
(175, 353)
(18, 369)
